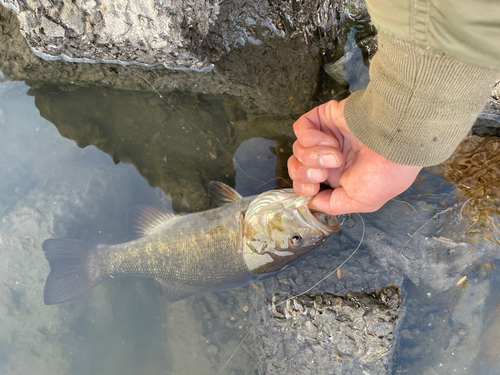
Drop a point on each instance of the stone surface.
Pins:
(353, 332)
(266, 55)
(126, 30)
(488, 122)
(163, 31)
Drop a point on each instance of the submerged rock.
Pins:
(336, 70)
(352, 331)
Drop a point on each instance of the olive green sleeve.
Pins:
(425, 89)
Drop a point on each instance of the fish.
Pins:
(223, 248)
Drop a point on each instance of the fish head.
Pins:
(278, 227)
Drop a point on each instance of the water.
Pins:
(52, 187)
(75, 160)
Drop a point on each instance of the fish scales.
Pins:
(219, 249)
(199, 250)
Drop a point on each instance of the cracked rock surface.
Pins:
(352, 331)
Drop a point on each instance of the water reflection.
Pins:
(266, 159)
(347, 65)
(178, 142)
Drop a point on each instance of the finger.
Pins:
(309, 135)
(320, 125)
(301, 173)
(305, 190)
(318, 157)
(337, 202)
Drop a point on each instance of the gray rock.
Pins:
(164, 31)
(144, 31)
(264, 54)
(354, 331)
(356, 9)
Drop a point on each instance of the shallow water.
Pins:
(50, 187)
(75, 160)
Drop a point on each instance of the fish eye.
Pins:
(296, 239)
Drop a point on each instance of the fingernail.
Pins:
(315, 175)
(328, 160)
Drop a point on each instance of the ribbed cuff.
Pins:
(418, 105)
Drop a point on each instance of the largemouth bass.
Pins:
(219, 249)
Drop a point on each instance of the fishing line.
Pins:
(200, 130)
(335, 270)
(304, 292)
(241, 342)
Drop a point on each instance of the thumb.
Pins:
(337, 202)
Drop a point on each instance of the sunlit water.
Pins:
(136, 148)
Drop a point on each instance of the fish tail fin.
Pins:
(69, 274)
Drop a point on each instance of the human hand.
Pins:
(327, 151)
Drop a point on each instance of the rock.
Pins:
(264, 53)
(126, 30)
(336, 70)
(356, 9)
(488, 122)
(355, 330)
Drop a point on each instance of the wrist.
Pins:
(419, 104)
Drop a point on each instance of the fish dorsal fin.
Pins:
(144, 219)
(222, 194)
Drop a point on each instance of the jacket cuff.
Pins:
(419, 103)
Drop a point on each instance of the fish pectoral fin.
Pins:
(144, 219)
(223, 194)
(172, 293)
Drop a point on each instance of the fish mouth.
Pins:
(324, 222)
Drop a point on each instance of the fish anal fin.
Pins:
(144, 219)
(222, 194)
(173, 294)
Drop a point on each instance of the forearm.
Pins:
(419, 105)
(424, 94)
